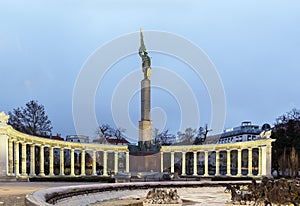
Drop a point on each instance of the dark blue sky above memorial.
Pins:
(254, 46)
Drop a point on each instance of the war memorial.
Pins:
(24, 156)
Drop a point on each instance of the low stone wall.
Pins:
(88, 194)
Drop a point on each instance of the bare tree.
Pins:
(164, 137)
(188, 136)
(106, 131)
(201, 135)
(118, 135)
(31, 119)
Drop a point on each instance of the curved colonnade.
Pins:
(23, 156)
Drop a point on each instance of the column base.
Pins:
(23, 176)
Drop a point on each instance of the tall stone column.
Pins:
(116, 164)
(62, 162)
(264, 161)
(17, 156)
(217, 163)
(172, 162)
(268, 161)
(51, 161)
(195, 164)
(228, 163)
(206, 163)
(82, 162)
(105, 163)
(127, 162)
(161, 162)
(250, 161)
(4, 158)
(10, 157)
(239, 159)
(259, 161)
(32, 160)
(42, 161)
(183, 164)
(145, 125)
(4, 137)
(24, 159)
(72, 162)
(94, 163)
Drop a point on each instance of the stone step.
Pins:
(8, 179)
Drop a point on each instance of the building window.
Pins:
(249, 138)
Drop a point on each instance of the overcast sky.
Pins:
(254, 45)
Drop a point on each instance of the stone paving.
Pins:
(13, 193)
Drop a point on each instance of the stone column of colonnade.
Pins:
(249, 161)
(228, 162)
(116, 164)
(172, 162)
(72, 173)
(61, 161)
(183, 164)
(239, 159)
(127, 162)
(82, 162)
(23, 159)
(32, 160)
(42, 165)
(104, 163)
(217, 163)
(206, 163)
(51, 161)
(161, 162)
(10, 157)
(16, 163)
(195, 158)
